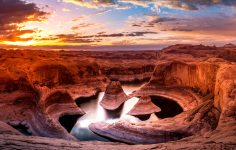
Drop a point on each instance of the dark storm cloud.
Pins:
(219, 24)
(193, 4)
(74, 38)
(15, 12)
(125, 34)
(77, 38)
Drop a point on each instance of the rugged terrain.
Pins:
(40, 88)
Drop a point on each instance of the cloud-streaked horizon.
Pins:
(116, 23)
(177, 4)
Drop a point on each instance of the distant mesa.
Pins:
(229, 45)
(144, 108)
(114, 96)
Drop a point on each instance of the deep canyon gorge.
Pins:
(180, 97)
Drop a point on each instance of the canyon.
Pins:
(187, 94)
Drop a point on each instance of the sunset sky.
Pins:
(116, 24)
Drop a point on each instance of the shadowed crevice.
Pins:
(169, 108)
(113, 114)
(22, 129)
(68, 121)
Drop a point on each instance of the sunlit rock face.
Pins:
(114, 96)
(52, 74)
(194, 86)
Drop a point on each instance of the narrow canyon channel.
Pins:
(96, 113)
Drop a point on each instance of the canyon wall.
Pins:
(200, 77)
(38, 88)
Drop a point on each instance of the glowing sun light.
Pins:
(20, 43)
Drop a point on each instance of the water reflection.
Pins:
(96, 113)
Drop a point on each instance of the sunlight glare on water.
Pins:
(96, 113)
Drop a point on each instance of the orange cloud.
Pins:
(14, 13)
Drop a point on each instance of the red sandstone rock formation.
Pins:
(183, 125)
(36, 111)
(114, 96)
(52, 74)
(144, 107)
(202, 85)
(201, 79)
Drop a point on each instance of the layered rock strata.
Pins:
(114, 96)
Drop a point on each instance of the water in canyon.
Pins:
(96, 113)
